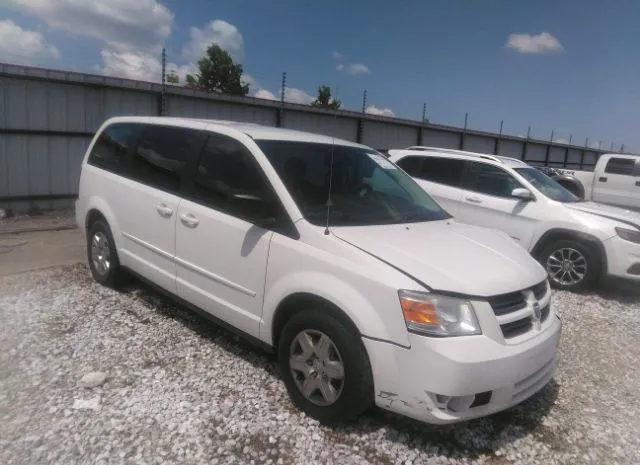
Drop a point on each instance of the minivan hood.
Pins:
(450, 256)
(622, 215)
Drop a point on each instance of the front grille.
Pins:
(545, 313)
(516, 328)
(504, 305)
(507, 303)
(513, 301)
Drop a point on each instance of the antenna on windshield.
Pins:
(333, 145)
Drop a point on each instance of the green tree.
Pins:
(173, 78)
(218, 73)
(324, 99)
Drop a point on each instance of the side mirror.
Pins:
(522, 194)
(256, 208)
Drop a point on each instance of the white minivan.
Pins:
(326, 253)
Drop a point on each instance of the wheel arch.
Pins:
(557, 234)
(97, 208)
(297, 301)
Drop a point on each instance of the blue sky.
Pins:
(572, 65)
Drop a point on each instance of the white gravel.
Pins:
(169, 387)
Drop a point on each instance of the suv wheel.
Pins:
(325, 367)
(102, 255)
(571, 265)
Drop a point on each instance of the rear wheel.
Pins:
(325, 367)
(571, 265)
(102, 255)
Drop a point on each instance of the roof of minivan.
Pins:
(253, 130)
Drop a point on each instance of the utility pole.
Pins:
(283, 88)
(163, 94)
(364, 101)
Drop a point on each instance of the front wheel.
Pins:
(571, 265)
(325, 367)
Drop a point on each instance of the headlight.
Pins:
(630, 235)
(437, 315)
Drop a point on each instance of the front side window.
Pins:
(161, 155)
(620, 166)
(110, 149)
(547, 186)
(226, 174)
(366, 188)
(490, 180)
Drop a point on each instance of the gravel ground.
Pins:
(90, 375)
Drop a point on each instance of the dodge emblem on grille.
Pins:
(537, 314)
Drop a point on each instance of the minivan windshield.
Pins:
(547, 186)
(366, 188)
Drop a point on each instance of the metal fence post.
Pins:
(496, 144)
(464, 132)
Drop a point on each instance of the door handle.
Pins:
(189, 220)
(602, 179)
(473, 199)
(637, 183)
(164, 210)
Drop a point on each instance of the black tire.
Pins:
(357, 391)
(112, 277)
(592, 258)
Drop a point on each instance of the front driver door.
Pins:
(487, 201)
(221, 253)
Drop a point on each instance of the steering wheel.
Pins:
(363, 190)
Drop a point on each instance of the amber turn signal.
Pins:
(420, 313)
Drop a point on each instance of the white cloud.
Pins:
(337, 55)
(19, 45)
(354, 68)
(131, 65)
(141, 66)
(123, 24)
(561, 141)
(527, 43)
(219, 32)
(291, 95)
(265, 94)
(373, 110)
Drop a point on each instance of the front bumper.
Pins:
(623, 258)
(448, 380)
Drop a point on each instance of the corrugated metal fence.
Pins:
(47, 119)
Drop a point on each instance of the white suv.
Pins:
(385, 300)
(578, 242)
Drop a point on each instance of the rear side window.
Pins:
(446, 171)
(620, 166)
(162, 154)
(411, 165)
(110, 149)
(226, 168)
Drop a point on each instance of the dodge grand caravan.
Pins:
(326, 253)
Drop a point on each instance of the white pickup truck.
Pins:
(614, 181)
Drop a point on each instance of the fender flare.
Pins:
(338, 294)
(100, 205)
(562, 233)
